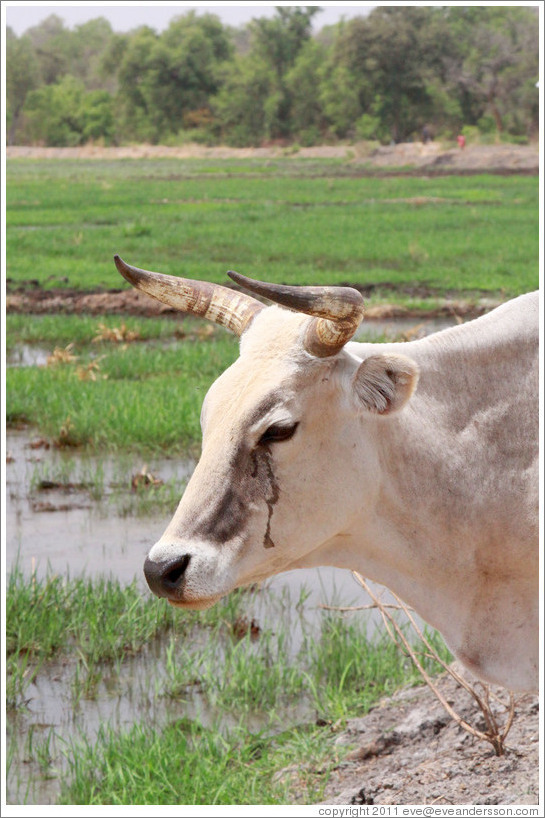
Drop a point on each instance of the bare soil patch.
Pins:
(30, 297)
(407, 750)
(430, 158)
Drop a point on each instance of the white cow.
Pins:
(415, 464)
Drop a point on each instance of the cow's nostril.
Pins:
(164, 578)
(173, 575)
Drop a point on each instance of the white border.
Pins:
(277, 810)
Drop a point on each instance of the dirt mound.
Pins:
(433, 157)
(409, 751)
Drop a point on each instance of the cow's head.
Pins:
(285, 467)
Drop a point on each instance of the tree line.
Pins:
(382, 77)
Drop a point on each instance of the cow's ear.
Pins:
(384, 383)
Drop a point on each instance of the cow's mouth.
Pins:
(194, 604)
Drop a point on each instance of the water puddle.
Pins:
(27, 355)
(401, 329)
(57, 718)
(67, 530)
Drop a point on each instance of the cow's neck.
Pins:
(430, 508)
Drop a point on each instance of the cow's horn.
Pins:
(339, 311)
(230, 309)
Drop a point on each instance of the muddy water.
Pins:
(90, 537)
(68, 531)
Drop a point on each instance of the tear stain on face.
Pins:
(264, 472)
(270, 500)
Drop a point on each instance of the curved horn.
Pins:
(223, 306)
(339, 311)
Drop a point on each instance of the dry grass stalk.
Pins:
(144, 479)
(67, 435)
(61, 356)
(90, 370)
(495, 733)
(115, 334)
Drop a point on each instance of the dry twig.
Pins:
(495, 733)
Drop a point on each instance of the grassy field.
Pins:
(117, 384)
(291, 220)
(287, 220)
(113, 395)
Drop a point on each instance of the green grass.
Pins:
(61, 330)
(289, 220)
(92, 620)
(238, 766)
(338, 672)
(99, 620)
(187, 764)
(264, 697)
(145, 397)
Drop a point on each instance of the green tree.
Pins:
(340, 98)
(65, 114)
(53, 48)
(136, 117)
(22, 76)
(382, 65)
(245, 105)
(279, 39)
(302, 83)
(498, 65)
(278, 42)
(163, 79)
(89, 43)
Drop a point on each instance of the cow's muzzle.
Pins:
(165, 578)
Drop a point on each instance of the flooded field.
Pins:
(72, 514)
(59, 526)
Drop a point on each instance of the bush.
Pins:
(65, 114)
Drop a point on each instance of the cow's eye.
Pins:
(278, 432)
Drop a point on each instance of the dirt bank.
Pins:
(31, 298)
(433, 157)
(409, 751)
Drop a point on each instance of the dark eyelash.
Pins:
(276, 434)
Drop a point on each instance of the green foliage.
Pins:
(496, 66)
(386, 74)
(65, 114)
(243, 105)
(165, 78)
(22, 77)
